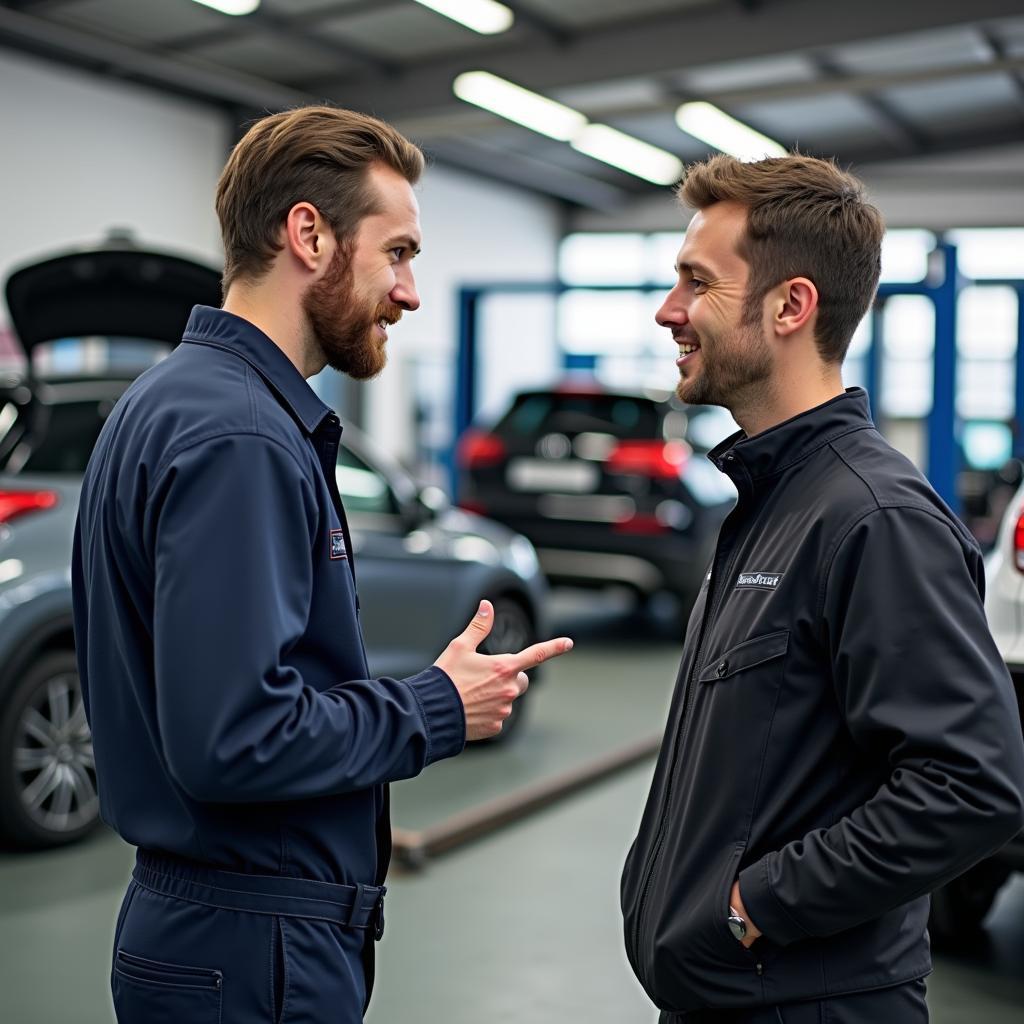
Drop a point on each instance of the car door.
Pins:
(406, 587)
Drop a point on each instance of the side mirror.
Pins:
(1012, 474)
(428, 503)
(434, 499)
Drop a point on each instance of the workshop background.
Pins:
(532, 382)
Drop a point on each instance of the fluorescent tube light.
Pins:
(231, 6)
(628, 154)
(484, 16)
(706, 122)
(515, 103)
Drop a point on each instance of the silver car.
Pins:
(422, 566)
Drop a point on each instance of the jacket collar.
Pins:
(753, 462)
(220, 329)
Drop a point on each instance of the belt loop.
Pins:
(378, 915)
(357, 907)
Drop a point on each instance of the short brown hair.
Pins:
(318, 155)
(805, 218)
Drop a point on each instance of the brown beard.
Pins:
(738, 371)
(343, 326)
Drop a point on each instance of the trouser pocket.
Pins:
(153, 992)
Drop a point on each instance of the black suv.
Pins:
(611, 487)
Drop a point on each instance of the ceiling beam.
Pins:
(998, 51)
(532, 173)
(902, 132)
(295, 29)
(184, 76)
(948, 142)
(465, 119)
(656, 45)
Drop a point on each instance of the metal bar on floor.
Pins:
(412, 848)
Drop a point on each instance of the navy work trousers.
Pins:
(900, 1004)
(206, 946)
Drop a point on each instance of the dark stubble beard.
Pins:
(343, 325)
(739, 369)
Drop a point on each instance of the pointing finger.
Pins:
(537, 654)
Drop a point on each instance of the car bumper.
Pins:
(594, 568)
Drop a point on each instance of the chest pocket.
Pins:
(737, 696)
(746, 655)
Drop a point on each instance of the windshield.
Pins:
(55, 438)
(622, 416)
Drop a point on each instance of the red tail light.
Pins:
(478, 449)
(1018, 543)
(645, 525)
(14, 504)
(662, 459)
(473, 506)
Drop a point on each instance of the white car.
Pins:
(1004, 600)
(959, 908)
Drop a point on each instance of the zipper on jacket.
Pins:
(711, 609)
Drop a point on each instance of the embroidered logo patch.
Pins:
(758, 580)
(338, 544)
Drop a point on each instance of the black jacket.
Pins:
(843, 734)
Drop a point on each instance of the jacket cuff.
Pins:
(443, 714)
(771, 918)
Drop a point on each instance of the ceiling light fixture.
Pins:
(628, 154)
(515, 103)
(484, 16)
(560, 122)
(231, 6)
(706, 122)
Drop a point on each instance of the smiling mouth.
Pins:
(687, 350)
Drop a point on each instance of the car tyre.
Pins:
(512, 631)
(48, 794)
(960, 906)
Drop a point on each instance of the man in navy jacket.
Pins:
(843, 737)
(240, 742)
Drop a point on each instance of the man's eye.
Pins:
(697, 285)
(397, 252)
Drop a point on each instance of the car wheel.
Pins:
(48, 792)
(512, 631)
(960, 906)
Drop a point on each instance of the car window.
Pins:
(63, 436)
(362, 487)
(623, 416)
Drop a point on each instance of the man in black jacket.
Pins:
(843, 738)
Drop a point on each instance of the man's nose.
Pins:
(404, 293)
(672, 312)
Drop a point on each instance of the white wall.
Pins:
(82, 155)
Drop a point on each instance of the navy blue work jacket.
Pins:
(217, 628)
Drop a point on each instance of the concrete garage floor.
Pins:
(521, 926)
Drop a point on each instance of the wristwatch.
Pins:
(737, 925)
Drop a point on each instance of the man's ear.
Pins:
(306, 236)
(793, 304)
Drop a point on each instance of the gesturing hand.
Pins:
(489, 683)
